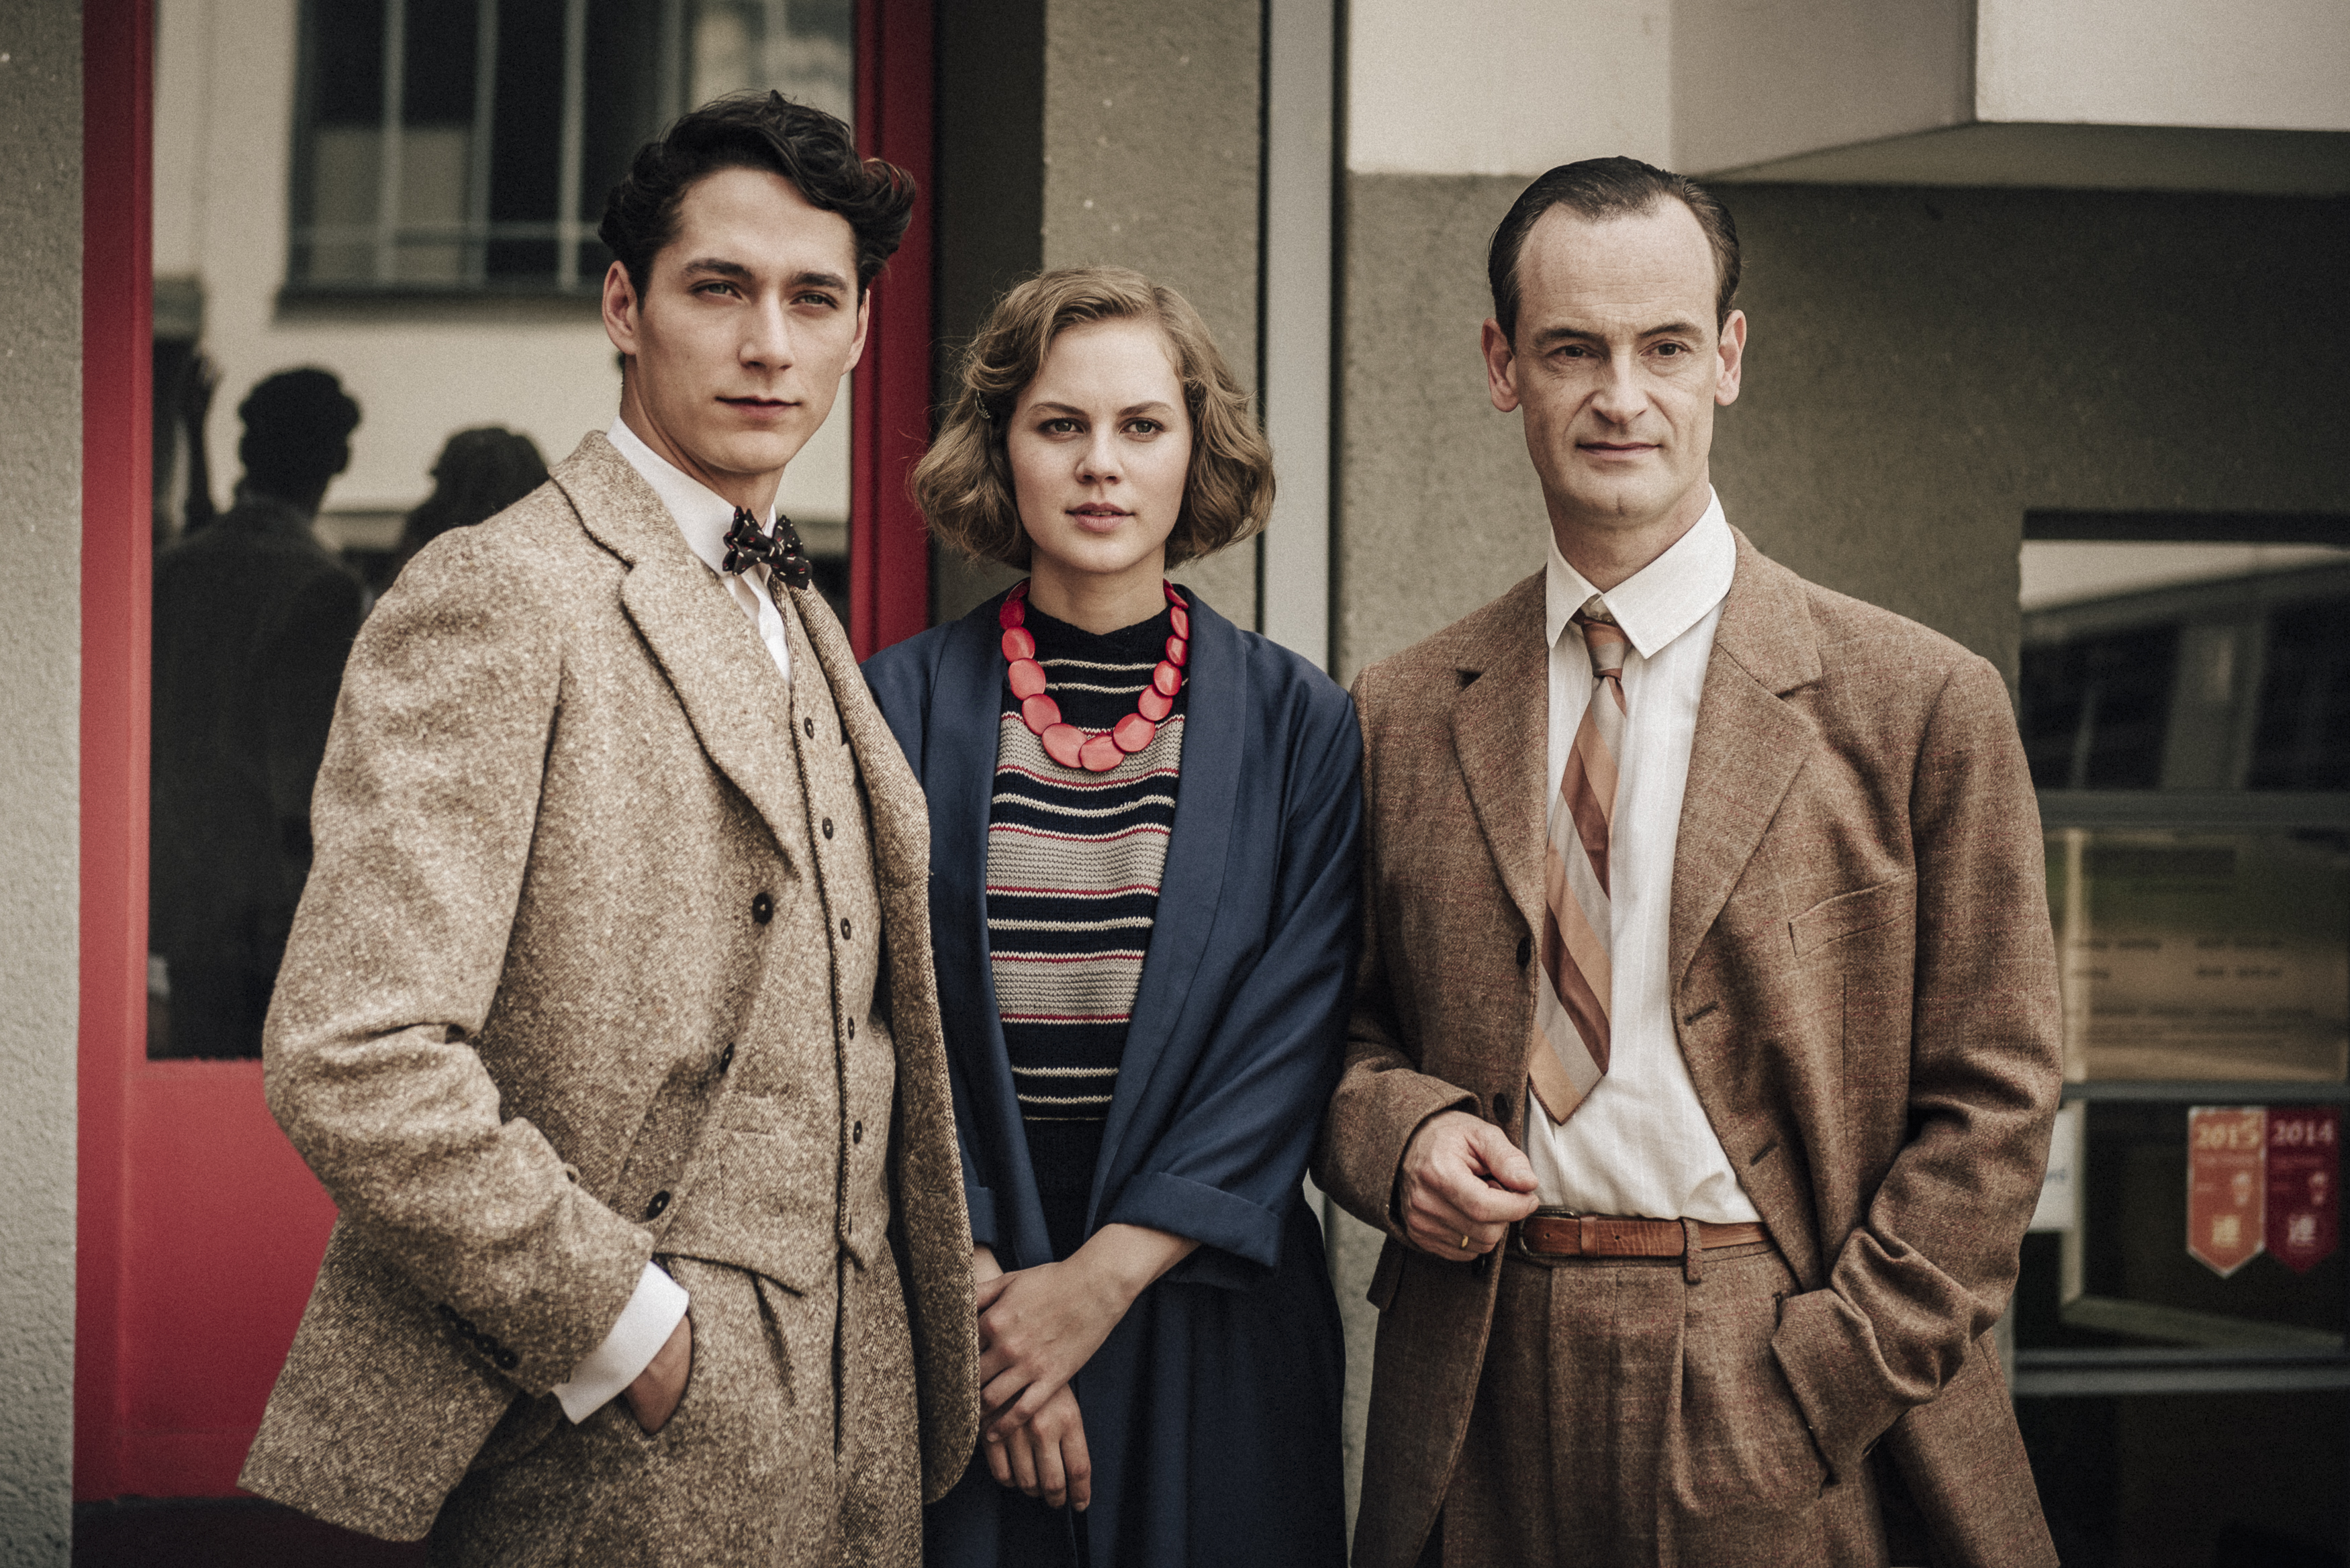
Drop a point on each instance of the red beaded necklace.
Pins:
(1065, 743)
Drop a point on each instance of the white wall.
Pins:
(1756, 81)
(40, 697)
(224, 78)
(2249, 65)
(1506, 87)
(1513, 87)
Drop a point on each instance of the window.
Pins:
(467, 145)
(2182, 1310)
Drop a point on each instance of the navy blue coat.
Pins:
(1211, 1411)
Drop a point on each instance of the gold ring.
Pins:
(1464, 1240)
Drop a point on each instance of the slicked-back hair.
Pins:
(1600, 188)
(811, 149)
(964, 483)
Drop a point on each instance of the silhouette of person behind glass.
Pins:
(254, 618)
(479, 473)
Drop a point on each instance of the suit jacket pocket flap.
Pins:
(1847, 914)
(759, 1199)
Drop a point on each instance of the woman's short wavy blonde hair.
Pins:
(964, 483)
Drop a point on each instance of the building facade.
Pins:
(2032, 286)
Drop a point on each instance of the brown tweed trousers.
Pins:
(615, 946)
(1864, 984)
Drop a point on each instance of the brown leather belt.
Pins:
(1606, 1236)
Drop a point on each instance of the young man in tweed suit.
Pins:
(607, 1018)
(1705, 1049)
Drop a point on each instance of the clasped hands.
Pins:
(1038, 1329)
(1462, 1185)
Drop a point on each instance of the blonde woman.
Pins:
(1143, 903)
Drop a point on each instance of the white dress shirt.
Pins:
(1640, 1144)
(703, 516)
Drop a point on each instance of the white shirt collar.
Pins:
(1663, 598)
(703, 515)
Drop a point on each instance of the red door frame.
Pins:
(199, 1227)
(199, 1230)
(890, 550)
(118, 72)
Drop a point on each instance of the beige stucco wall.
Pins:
(40, 679)
(1924, 366)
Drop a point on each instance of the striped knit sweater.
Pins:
(1074, 861)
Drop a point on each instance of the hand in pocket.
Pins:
(653, 1397)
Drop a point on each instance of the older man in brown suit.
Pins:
(608, 1018)
(1703, 1059)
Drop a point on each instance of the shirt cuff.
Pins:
(645, 1325)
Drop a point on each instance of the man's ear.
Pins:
(864, 320)
(1501, 366)
(620, 308)
(1731, 351)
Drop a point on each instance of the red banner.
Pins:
(2226, 1186)
(2304, 1195)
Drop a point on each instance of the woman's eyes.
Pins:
(1076, 427)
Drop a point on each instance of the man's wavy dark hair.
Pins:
(811, 149)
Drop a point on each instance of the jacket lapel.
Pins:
(958, 773)
(958, 763)
(711, 656)
(1499, 734)
(1215, 730)
(1750, 744)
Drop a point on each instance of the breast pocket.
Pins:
(1833, 920)
(1860, 948)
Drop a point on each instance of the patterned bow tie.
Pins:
(747, 544)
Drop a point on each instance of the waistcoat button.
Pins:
(726, 1058)
(843, 927)
(828, 827)
(807, 727)
(852, 1029)
(661, 1203)
(763, 909)
(856, 1132)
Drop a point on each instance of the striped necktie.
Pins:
(1572, 1002)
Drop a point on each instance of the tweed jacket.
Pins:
(1863, 980)
(556, 829)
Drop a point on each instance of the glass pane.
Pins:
(2119, 1274)
(2202, 954)
(433, 160)
(254, 618)
(2186, 665)
(2226, 1480)
(526, 142)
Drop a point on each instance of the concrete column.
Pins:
(40, 682)
(1147, 116)
(1151, 144)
